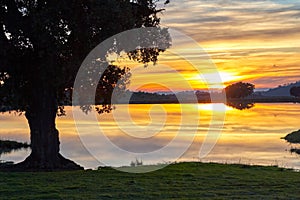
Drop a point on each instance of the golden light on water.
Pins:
(247, 134)
(213, 107)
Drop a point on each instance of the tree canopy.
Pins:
(295, 91)
(239, 90)
(44, 42)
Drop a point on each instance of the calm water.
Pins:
(161, 133)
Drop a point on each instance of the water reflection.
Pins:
(11, 147)
(4, 150)
(240, 105)
(250, 136)
(293, 138)
(295, 150)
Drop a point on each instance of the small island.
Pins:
(7, 146)
(293, 138)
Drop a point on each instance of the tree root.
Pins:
(31, 164)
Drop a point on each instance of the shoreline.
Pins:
(246, 100)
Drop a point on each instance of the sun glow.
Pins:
(217, 79)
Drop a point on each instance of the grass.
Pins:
(177, 181)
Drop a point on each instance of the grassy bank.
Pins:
(177, 181)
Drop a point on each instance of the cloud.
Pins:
(247, 37)
(233, 19)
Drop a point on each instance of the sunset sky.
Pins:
(253, 41)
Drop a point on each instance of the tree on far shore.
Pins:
(295, 91)
(239, 90)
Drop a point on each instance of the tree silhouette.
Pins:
(43, 43)
(295, 91)
(239, 90)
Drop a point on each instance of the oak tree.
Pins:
(42, 45)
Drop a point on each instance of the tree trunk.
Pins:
(41, 116)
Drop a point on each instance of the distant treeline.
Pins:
(198, 96)
(147, 97)
(7, 146)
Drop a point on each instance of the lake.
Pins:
(169, 132)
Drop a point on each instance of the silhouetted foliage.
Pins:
(43, 44)
(142, 97)
(7, 146)
(239, 90)
(295, 91)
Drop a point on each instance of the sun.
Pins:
(217, 80)
(227, 77)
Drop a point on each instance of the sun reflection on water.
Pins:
(251, 135)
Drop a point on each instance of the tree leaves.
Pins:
(239, 90)
(45, 41)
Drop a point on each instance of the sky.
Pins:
(255, 41)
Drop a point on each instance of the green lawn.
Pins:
(177, 181)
